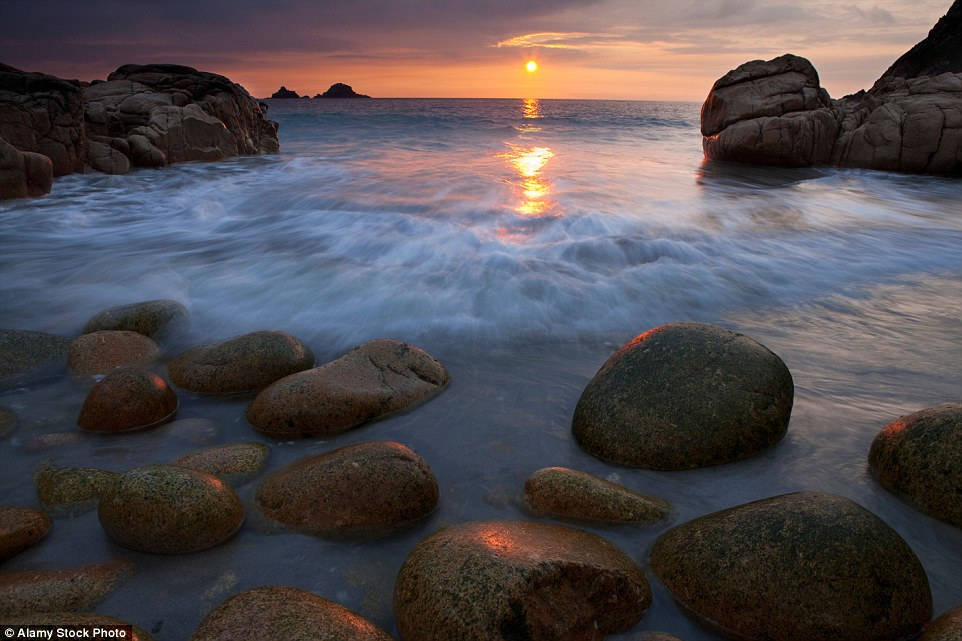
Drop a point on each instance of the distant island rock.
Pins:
(340, 90)
(141, 116)
(775, 112)
(284, 94)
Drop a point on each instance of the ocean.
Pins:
(520, 242)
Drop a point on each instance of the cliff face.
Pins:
(143, 115)
(776, 113)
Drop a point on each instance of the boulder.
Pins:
(571, 494)
(72, 490)
(26, 356)
(497, 580)
(78, 619)
(284, 94)
(362, 490)
(149, 318)
(372, 381)
(798, 567)
(44, 115)
(106, 159)
(22, 173)
(281, 613)
(340, 90)
(235, 463)
(685, 395)
(919, 457)
(241, 364)
(20, 528)
(66, 590)
(127, 399)
(103, 351)
(167, 509)
(775, 112)
(947, 627)
(772, 112)
(170, 113)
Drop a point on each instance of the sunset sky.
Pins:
(619, 49)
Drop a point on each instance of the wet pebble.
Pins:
(149, 318)
(71, 589)
(104, 351)
(235, 463)
(26, 356)
(21, 528)
(72, 490)
(564, 493)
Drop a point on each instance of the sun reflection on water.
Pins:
(528, 163)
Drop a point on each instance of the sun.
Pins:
(531, 66)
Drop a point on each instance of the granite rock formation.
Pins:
(142, 116)
(776, 113)
(340, 90)
(284, 94)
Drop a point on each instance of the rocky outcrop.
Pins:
(23, 174)
(43, 114)
(776, 113)
(797, 567)
(142, 116)
(284, 94)
(340, 90)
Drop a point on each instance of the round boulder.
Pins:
(20, 528)
(235, 463)
(285, 614)
(77, 619)
(167, 509)
(242, 364)
(570, 494)
(947, 627)
(127, 399)
(148, 318)
(798, 567)
(496, 580)
(372, 381)
(685, 395)
(363, 490)
(68, 589)
(919, 457)
(26, 356)
(101, 352)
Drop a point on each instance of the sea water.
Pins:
(520, 242)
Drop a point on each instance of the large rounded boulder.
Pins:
(497, 580)
(685, 395)
(149, 318)
(919, 457)
(241, 364)
(280, 613)
(127, 399)
(364, 490)
(797, 567)
(372, 381)
(167, 509)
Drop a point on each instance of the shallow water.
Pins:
(520, 242)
